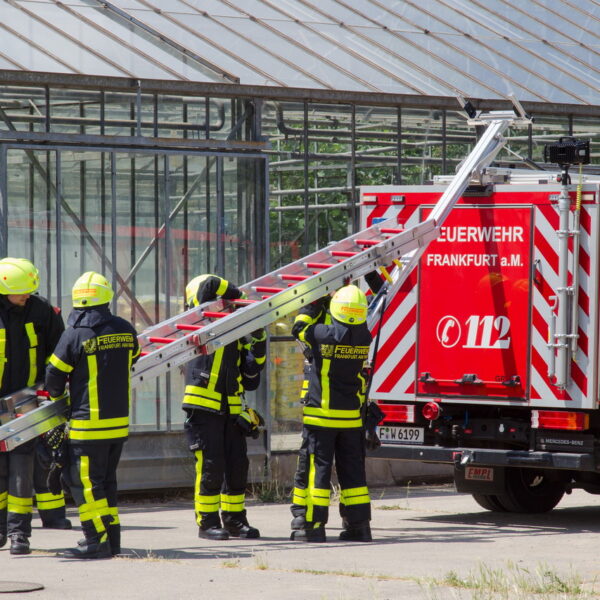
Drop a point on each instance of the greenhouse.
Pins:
(154, 141)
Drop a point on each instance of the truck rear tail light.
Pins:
(558, 419)
(431, 411)
(398, 413)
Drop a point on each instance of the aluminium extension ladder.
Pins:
(203, 329)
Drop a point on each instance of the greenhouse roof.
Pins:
(539, 50)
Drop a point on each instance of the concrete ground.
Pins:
(427, 541)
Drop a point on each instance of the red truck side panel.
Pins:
(481, 301)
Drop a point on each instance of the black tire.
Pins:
(530, 491)
(489, 502)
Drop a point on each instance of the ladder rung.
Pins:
(160, 340)
(367, 242)
(243, 301)
(312, 265)
(214, 315)
(387, 230)
(343, 253)
(293, 277)
(144, 353)
(187, 327)
(268, 290)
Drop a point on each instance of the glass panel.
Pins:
(376, 145)
(547, 129)
(72, 53)
(588, 128)
(139, 51)
(96, 233)
(74, 111)
(31, 219)
(24, 108)
(26, 56)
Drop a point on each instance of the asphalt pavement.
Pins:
(430, 543)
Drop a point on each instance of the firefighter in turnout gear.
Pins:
(337, 339)
(29, 331)
(217, 421)
(94, 355)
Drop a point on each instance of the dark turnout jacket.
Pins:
(216, 382)
(95, 355)
(336, 385)
(28, 335)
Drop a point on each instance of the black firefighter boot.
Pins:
(114, 539)
(356, 532)
(19, 544)
(311, 532)
(91, 548)
(210, 528)
(237, 525)
(63, 523)
(3, 539)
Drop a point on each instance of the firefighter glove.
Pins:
(249, 422)
(259, 335)
(372, 441)
(55, 439)
(53, 481)
(373, 416)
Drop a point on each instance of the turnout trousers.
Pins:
(220, 450)
(321, 449)
(51, 507)
(92, 478)
(16, 489)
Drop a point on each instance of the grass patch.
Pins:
(231, 564)
(356, 574)
(260, 561)
(272, 492)
(515, 583)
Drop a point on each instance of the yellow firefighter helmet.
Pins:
(349, 305)
(18, 276)
(91, 289)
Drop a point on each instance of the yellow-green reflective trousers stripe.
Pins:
(311, 485)
(232, 503)
(49, 501)
(299, 496)
(351, 496)
(92, 509)
(114, 513)
(22, 506)
(203, 504)
(314, 496)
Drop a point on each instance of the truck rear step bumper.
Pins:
(461, 457)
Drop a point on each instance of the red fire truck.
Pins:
(488, 356)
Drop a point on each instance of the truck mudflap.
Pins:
(463, 457)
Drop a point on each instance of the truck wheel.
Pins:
(489, 502)
(530, 491)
